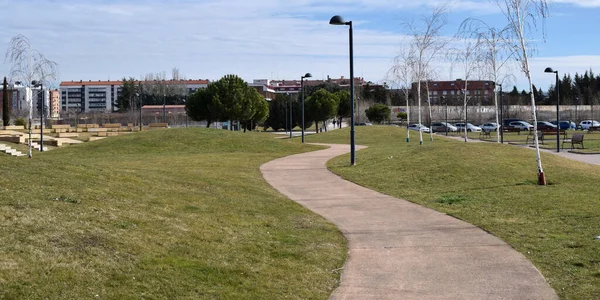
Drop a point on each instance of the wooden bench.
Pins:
(548, 133)
(594, 128)
(158, 125)
(485, 133)
(531, 136)
(512, 129)
(576, 139)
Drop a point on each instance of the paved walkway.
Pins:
(401, 250)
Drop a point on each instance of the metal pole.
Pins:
(302, 92)
(557, 114)
(446, 102)
(286, 116)
(291, 117)
(141, 101)
(352, 141)
(164, 110)
(501, 125)
(42, 120)
(67, 107)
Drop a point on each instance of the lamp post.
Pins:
(501, 125)
(291, 117)
(41, 86)
(338, 20)
(141, 102)
(446, 103)
(186, 115)
(164, 107)
(549, 70)
(307, 75)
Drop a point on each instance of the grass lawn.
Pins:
(494, 187)
(165, 214)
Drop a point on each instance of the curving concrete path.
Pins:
(401, 250)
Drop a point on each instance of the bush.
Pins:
(20, 122)
(378, 113)
(402, 115)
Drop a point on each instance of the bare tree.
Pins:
(402, 73)
(496, 54)
(522, 16)
(427, 45)
(27, 65)
(467, 57)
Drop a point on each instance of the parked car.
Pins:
(564, 125)
(543, 125)
(522, 125)
(418, 127)
(506, 122)
(441, 127)
(490, 126)
(586, 124)
(470, 127)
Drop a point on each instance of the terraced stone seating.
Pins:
(10, 151)
(14, 127)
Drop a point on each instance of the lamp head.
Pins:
(338, 20)
(307, 75)
(36, 83)
(550, 70)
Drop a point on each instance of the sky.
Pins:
(273, 39)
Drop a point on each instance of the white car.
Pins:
(522, 125)
(586, 124)
(490, 126)
(442, 126)
(470, 127)
(418, 127)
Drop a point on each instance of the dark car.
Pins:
(506, 122)
(565, 125)
(543, 125)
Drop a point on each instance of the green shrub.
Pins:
(20, 122)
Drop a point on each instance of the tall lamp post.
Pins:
(445, 103)
(501, 125)
(290, 116)
(41, 86)
(307, 75)
(549, 70)
(338, 20)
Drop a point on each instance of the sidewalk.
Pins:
(401, 250)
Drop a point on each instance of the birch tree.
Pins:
(522, 16)
(427, 45)
(402, 73)
(495, 57)
(467, 57)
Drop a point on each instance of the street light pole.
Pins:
(41, 86)
(338, 20)
(549, 70)
(307, 75)
(501, 125)
(290, 116)
(445, 103)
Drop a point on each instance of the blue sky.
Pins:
(273, 39)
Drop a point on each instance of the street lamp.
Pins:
(338, 20)
(290, 98)
(549, 70)
(307, 75)
(501, 125)
(445, 103)
(41, 86)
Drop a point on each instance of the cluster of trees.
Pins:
(154, 89)
(323, 102)
(579, 90)
(229, 98)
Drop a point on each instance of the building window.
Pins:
(435, 93)
(451, 83)
(444, 92)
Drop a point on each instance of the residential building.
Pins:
(478, 91)
(101, 96)
(269, 88)
(54, 103)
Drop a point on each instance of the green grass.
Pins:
(494, 187)
(165, 214)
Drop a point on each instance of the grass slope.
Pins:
(165, 214)
(494, 187)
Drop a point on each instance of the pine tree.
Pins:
(5, 107)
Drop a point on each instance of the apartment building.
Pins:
(23, 99)
(478, 91)
(101, 96)
(270, 88)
